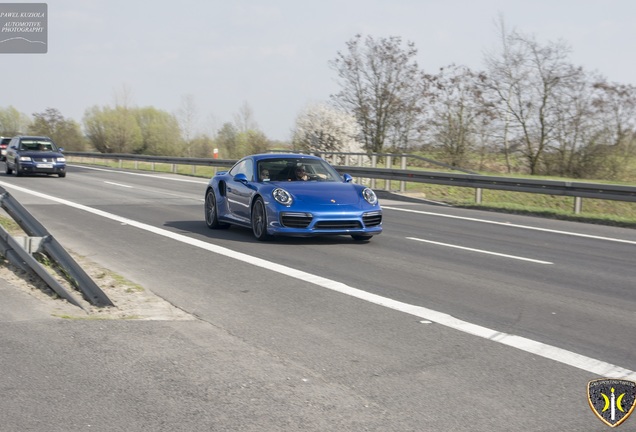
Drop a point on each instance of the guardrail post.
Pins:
(374, 164)
(389, 165)
(403, 166)
(478, 192)
(360, 163)
(578, 205)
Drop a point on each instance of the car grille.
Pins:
(372, 219)
(295, 220)
(303, 220)
(338, 224)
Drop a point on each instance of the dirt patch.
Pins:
(131, 300)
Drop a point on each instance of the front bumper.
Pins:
(316, 223)
(41, 168)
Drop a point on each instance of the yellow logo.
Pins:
(612, 400)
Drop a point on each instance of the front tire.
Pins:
(7, 170)
(259, 220)
(18, 173)
(211, 215)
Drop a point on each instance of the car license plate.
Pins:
(44, 165)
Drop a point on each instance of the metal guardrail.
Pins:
(546, 187)
(577, 190)
(46, 243)
(155, 159)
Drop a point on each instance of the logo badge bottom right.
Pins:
(612, 400)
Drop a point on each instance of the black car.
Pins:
(34, 154)
(4, 143)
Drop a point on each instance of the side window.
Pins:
(243, 167)
(249, 170)
(236, 169)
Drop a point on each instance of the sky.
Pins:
(274, 56)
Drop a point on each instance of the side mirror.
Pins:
(240, 178)
(347, 178)
(60, 149)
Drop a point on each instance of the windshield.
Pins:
(37, 145)
(290, 169)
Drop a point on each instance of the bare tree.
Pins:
(381, 86)
(614, 108)
(498, 62)
(123, 97)
(244, 119)
(187, 117)
(526, 80)
(457, 112)
(575, 129)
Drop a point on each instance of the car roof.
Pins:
(34, 137)
(283, 156)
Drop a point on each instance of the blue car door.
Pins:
(240, 190)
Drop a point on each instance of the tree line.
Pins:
(138, 130)
(530, 110)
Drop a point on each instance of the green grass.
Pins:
(131, 287)
(617, 213)
(11, 226)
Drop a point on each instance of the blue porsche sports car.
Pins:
(292, 195)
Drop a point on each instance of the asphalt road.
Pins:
(411, 331)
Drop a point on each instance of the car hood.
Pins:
(323, 193)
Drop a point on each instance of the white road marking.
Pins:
(480, 251)
(560, 355)
(510, 225)
(184, 180)
(153, 191)
(118, 184)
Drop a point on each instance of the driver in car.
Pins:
(301, 174)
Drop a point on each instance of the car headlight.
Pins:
(61, 160)
(25, 159)
(282, 196)
(370, 196)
